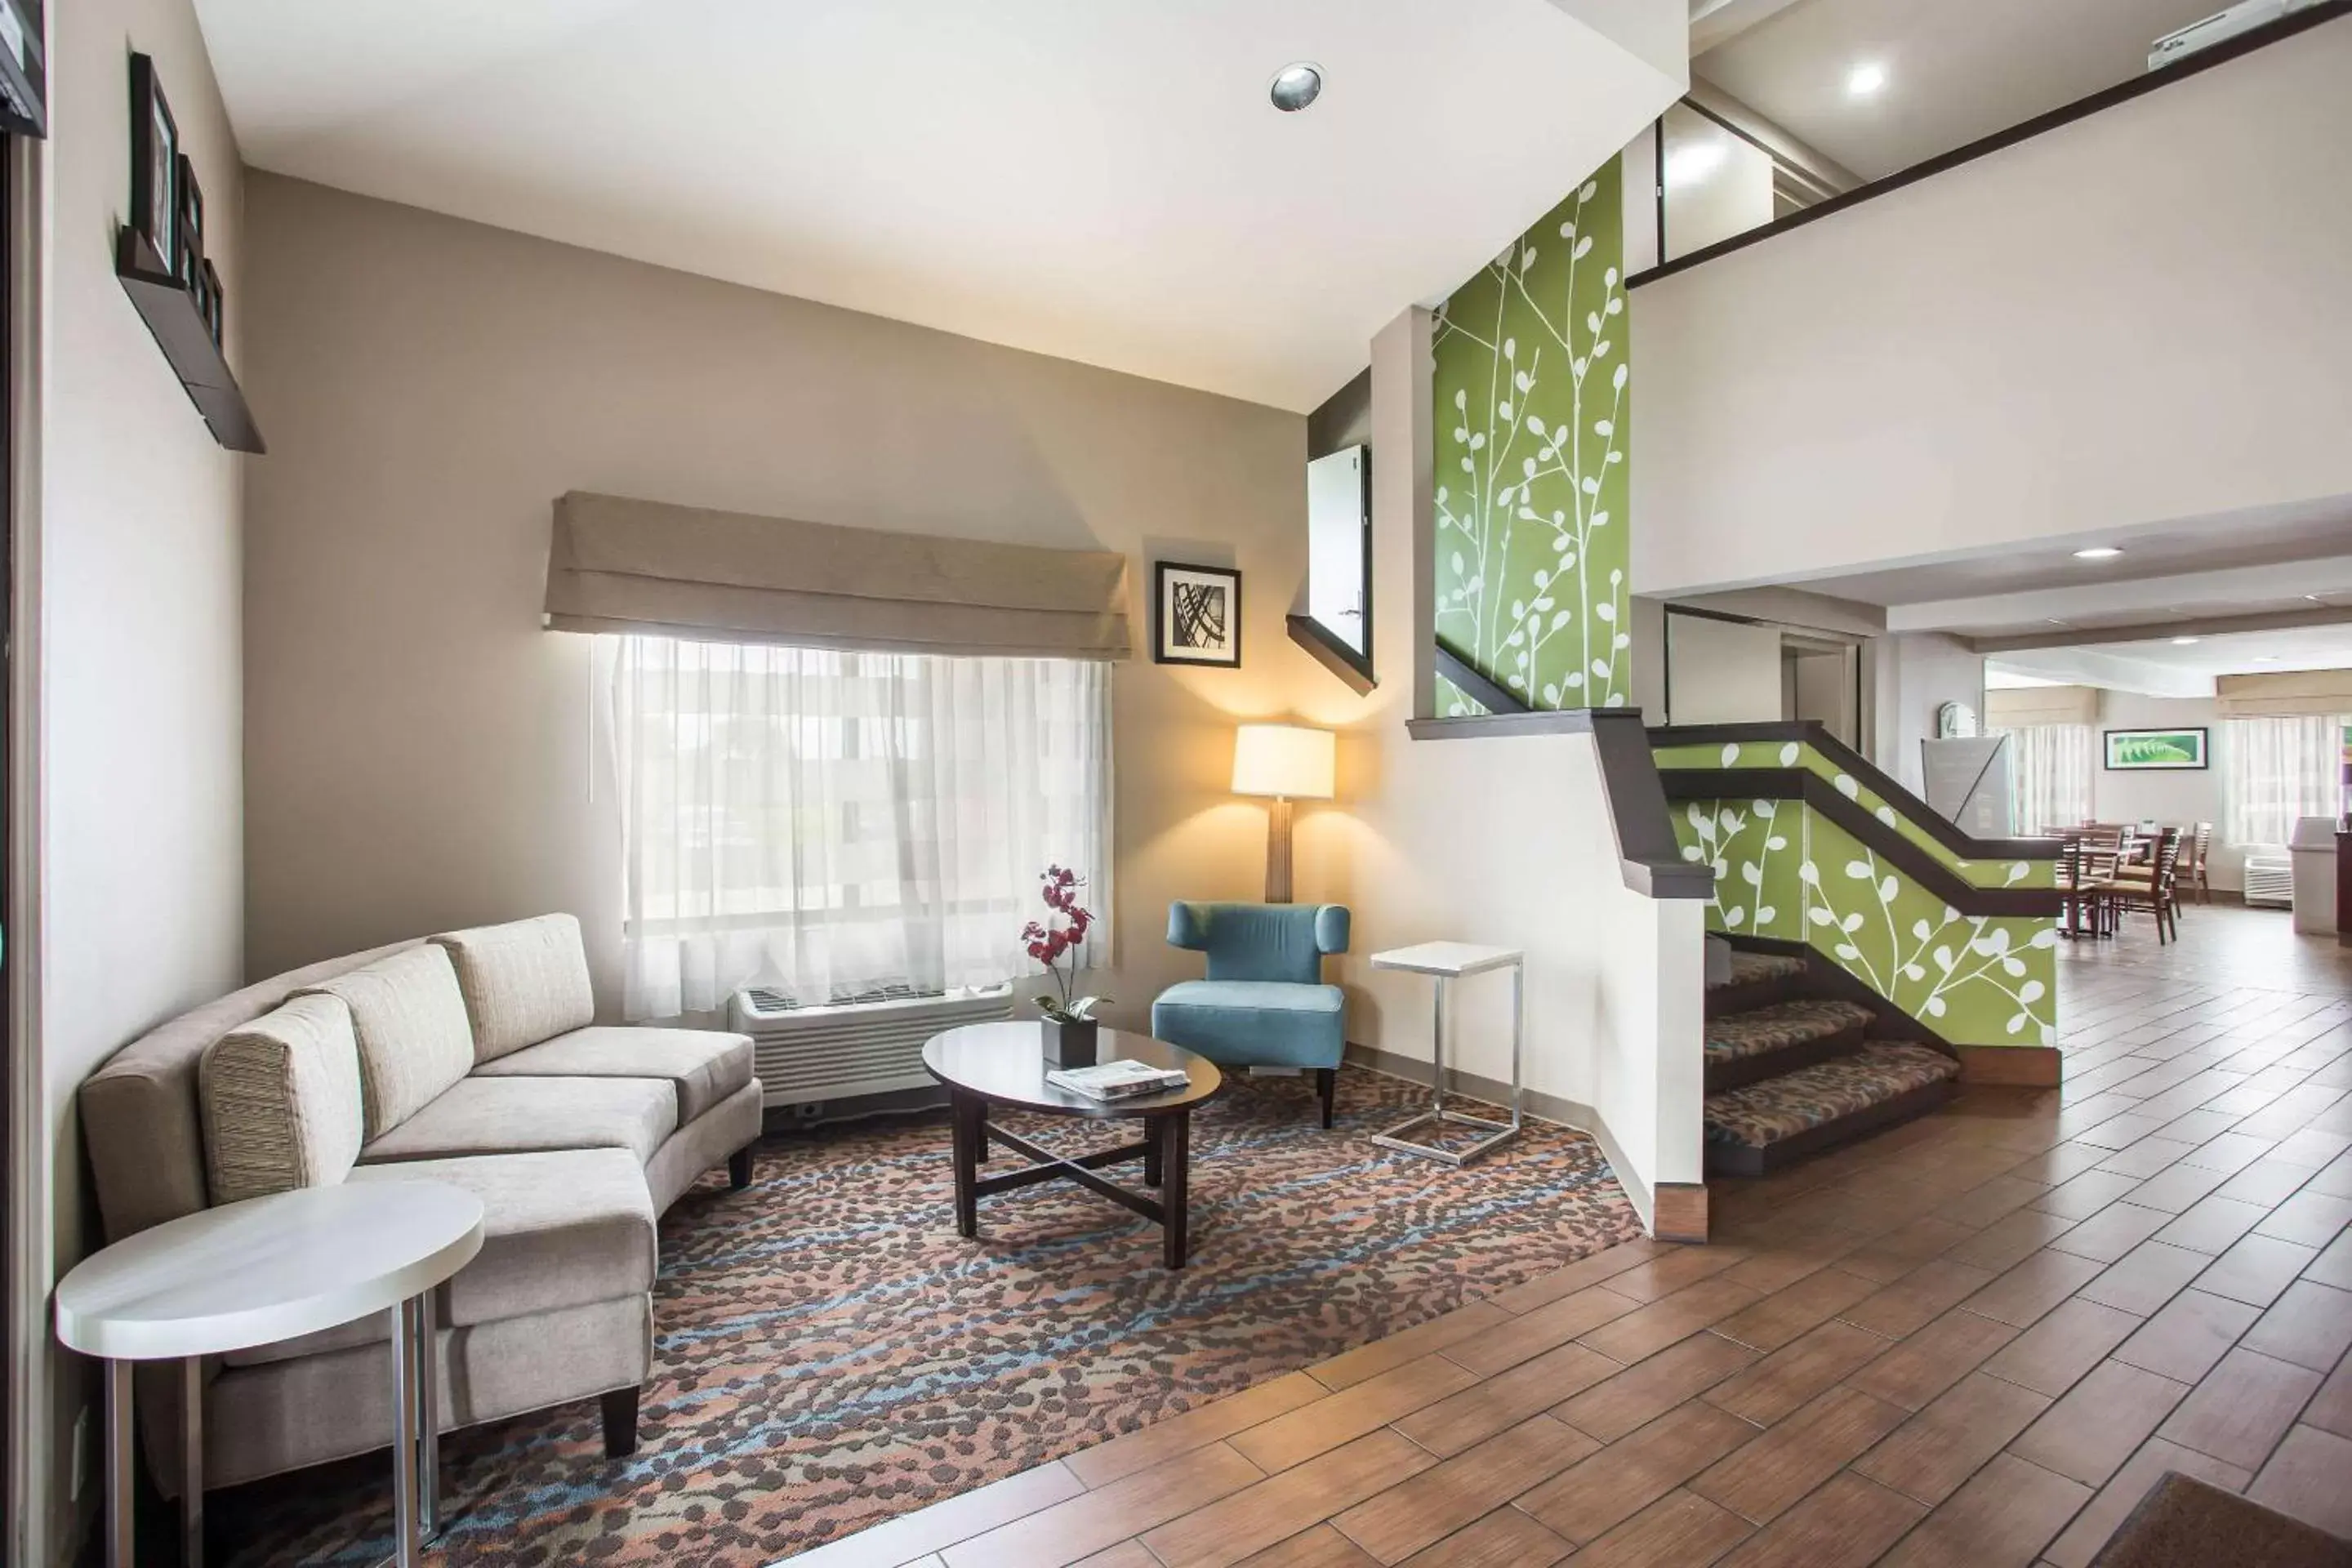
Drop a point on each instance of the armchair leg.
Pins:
(620, 1410)
(1327, 1085)
(739, 1169)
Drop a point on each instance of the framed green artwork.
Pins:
(2144, 751)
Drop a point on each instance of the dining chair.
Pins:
(2150, 890)
(2200, 851)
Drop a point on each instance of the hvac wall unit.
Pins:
(2270, 879)
(828, 1063)
(2242, 18)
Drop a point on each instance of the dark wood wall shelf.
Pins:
(170, 313)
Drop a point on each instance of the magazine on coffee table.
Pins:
(1119, 1080)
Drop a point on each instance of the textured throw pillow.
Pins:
(524, 982)
(281, 1101)
(415, 1041)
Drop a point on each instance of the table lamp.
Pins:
(1287, 762)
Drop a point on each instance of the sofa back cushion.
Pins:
(281, 1100)
(415, 1041)
(523, 982)
(139, 1118)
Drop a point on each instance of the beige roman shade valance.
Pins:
(622, 565)
(2025, 706)
(2289, 694)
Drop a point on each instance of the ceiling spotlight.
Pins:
(1296, 85)
(1865, 79)
(2266, 659)
(2184, 642)
(2098, 553)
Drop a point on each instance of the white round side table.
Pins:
(257, 1272)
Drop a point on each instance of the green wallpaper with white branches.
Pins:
(1532, 407)
(1783, 869)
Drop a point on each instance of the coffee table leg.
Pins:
(971, 1119)
(405, 1546)
(1175, 1175)
(192, 1462)
(120, 1550)
(1152, 1165)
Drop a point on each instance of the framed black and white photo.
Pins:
(1196, 615)
(154, 167)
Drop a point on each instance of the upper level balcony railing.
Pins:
(1716, 173)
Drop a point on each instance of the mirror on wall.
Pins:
(1339, 549)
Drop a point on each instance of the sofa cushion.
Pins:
(1261, 1022)
(414, 1039)
(705, 1065)
(525, 1115)
(559, 1229)
(523, 982)
(282, 1102)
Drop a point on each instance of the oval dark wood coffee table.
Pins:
(1005, 1064)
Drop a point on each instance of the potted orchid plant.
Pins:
(1070, 1023)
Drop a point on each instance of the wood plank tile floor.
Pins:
(1977, 1339)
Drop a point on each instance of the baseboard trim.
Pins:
(1568, 1113)
(2020, 1067)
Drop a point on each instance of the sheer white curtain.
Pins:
(2279, 770)
(2051, 767)
(839, 825)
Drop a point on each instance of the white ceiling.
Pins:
(2161, 668)
(1102, 180)
(2184, 548)
(1954, 71)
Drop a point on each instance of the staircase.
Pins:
(1792, 1071)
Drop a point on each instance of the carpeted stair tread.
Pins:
(1756, 968)
(1779, 1027)
(1764, 1113)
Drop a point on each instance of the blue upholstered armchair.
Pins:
(1263, 1003)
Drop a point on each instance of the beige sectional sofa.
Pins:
(471, 1058)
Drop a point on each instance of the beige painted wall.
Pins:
(2179, 799)
(1721, 672)
(139, 861)
(417, 747)
(2138, 317)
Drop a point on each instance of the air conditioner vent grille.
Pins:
(806, 1054)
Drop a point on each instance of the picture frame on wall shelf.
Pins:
(1196, 615)
(154, 169)
(216, 303)
(2155, 751)
(190, 205)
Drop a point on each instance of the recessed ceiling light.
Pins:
(1865, 79)
(1296, 85)
(2266, 659)
(2098, 553)
(2184, 642)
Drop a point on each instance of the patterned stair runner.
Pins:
(1779, 1027)
(1779, 1108)
(1755, 968)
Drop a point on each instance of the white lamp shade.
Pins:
(1284, 760)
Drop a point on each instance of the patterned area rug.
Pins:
(829, 1354)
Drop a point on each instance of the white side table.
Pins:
(1449, 961)
(254, 1273)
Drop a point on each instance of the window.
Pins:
(2050, 774)
(2279, 770)
(838, 825)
